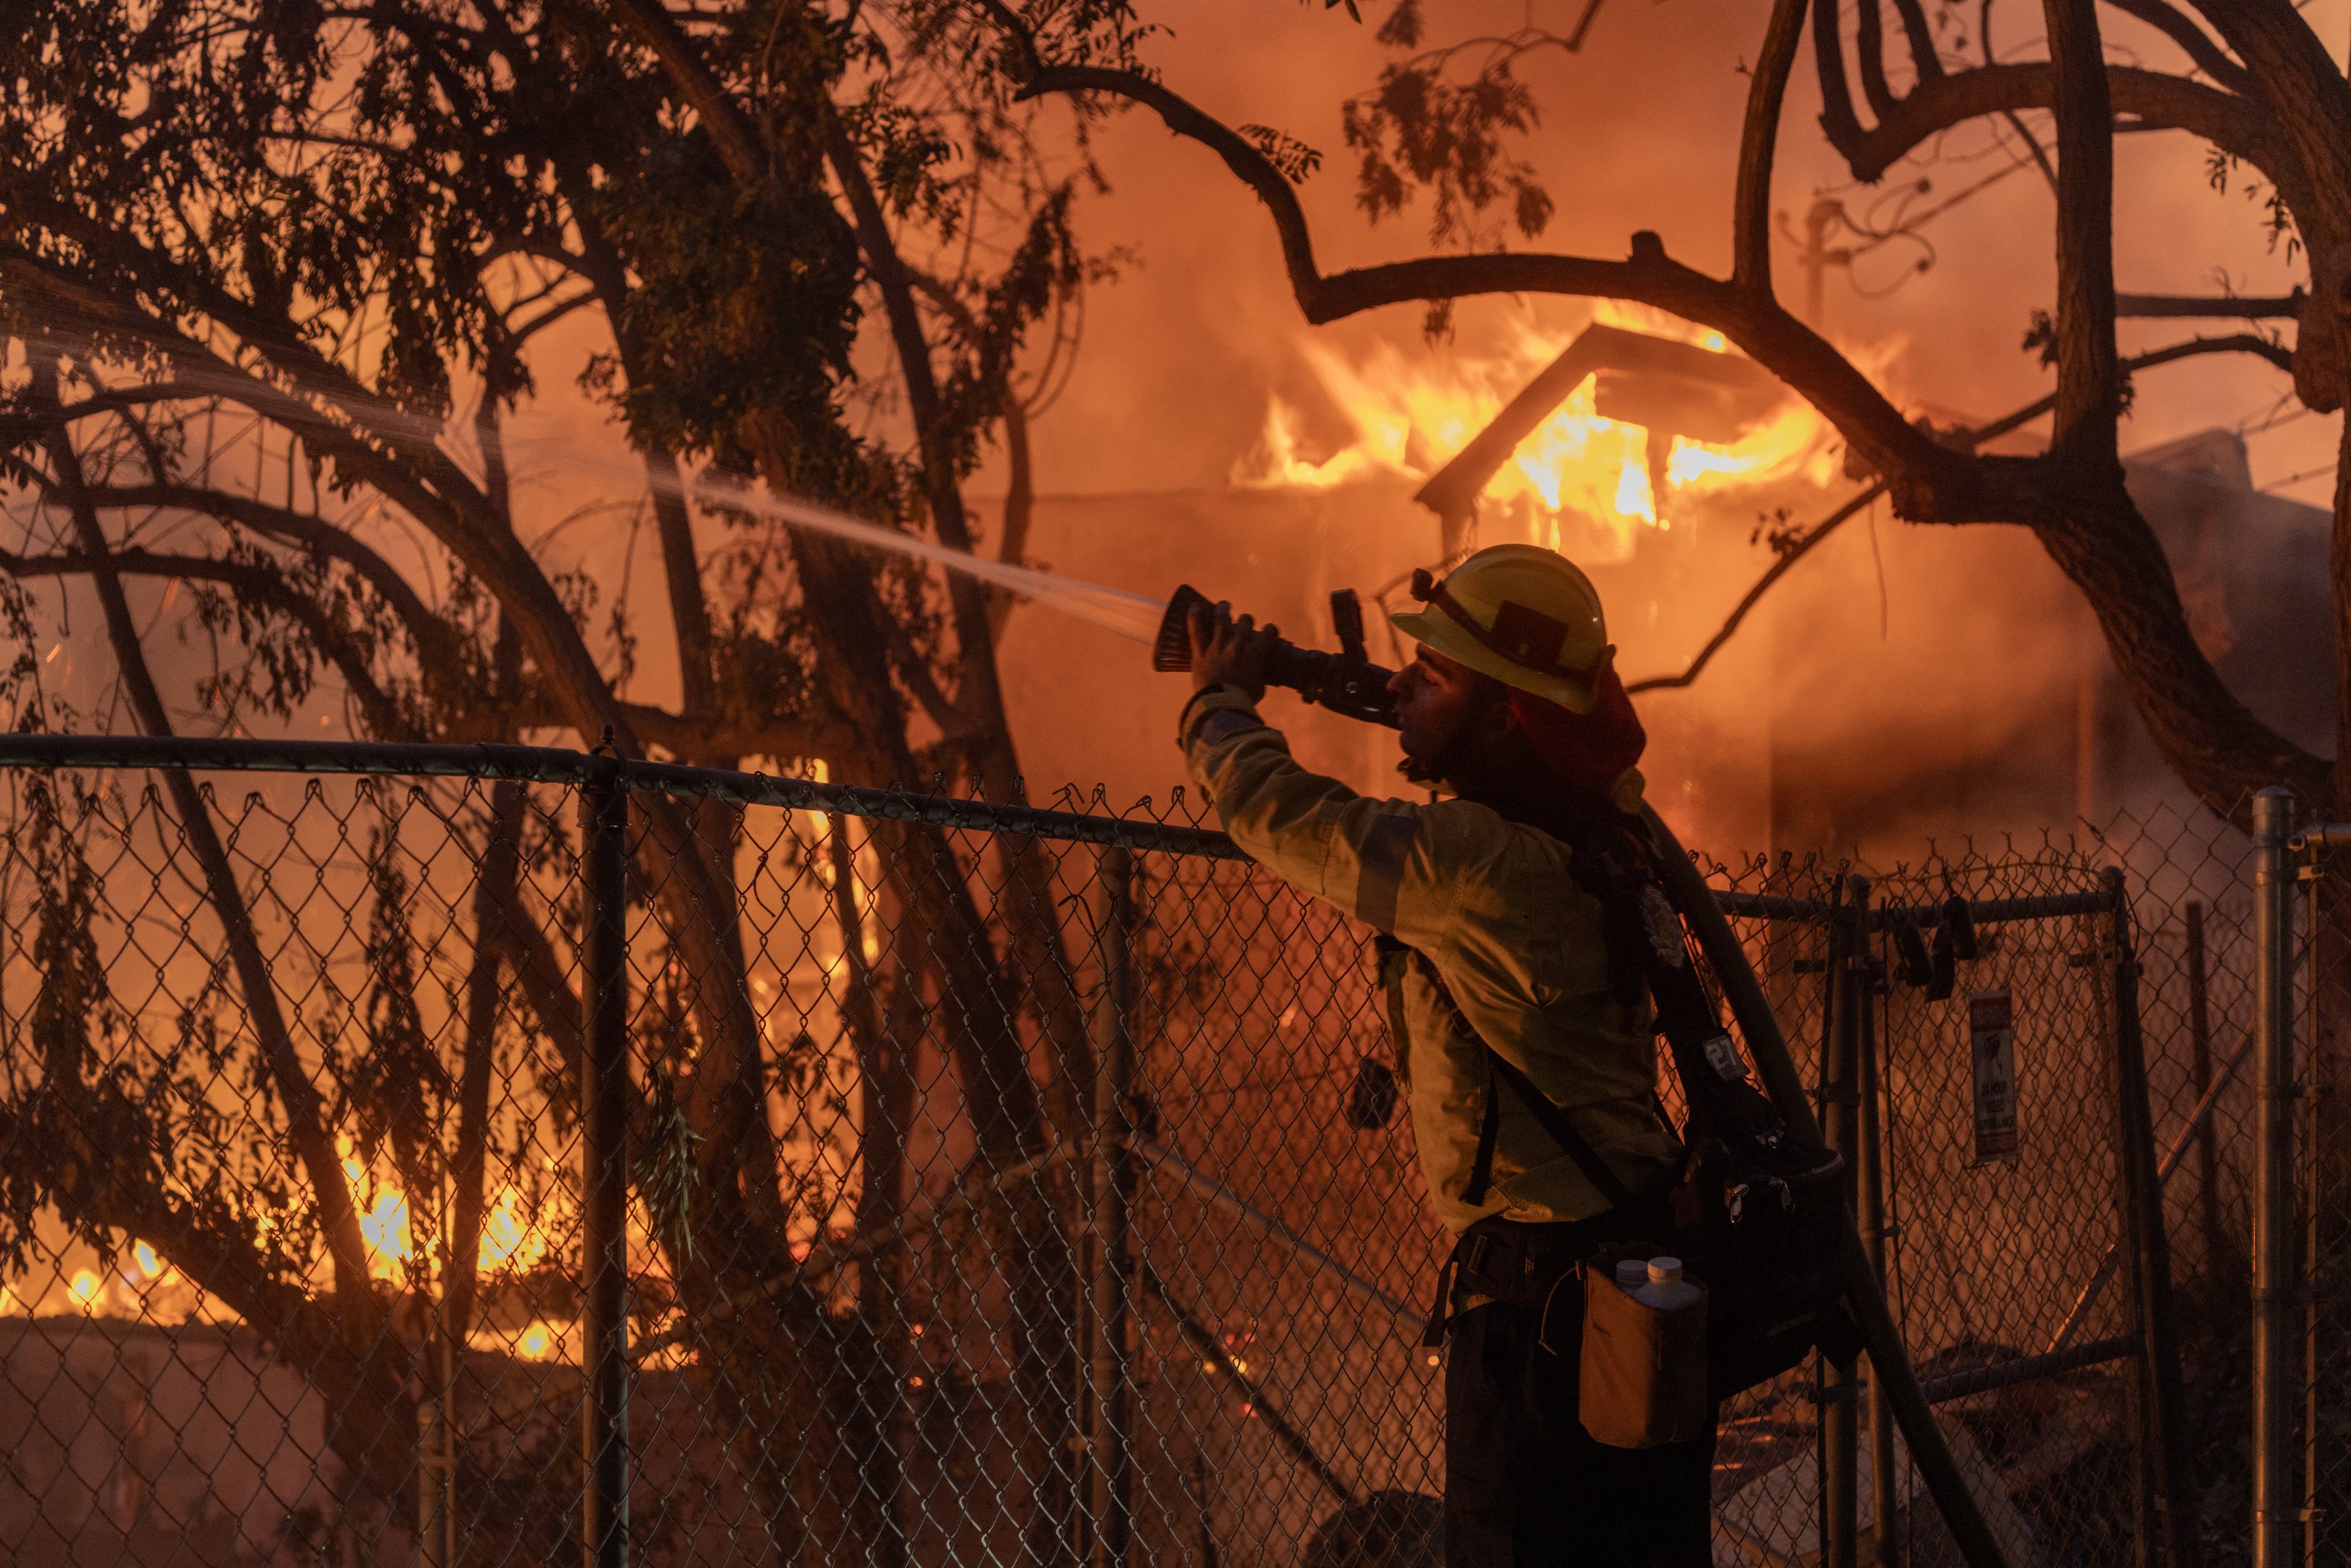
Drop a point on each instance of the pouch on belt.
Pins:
(1643, 1378)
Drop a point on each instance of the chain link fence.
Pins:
(2196, 881)
(987, 1184)
(1977, 1096)
(2191, 878)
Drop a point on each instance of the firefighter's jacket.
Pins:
(1491, 905)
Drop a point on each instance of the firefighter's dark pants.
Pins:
(1525, 1485)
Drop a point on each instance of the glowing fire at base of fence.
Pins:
(519, 1237)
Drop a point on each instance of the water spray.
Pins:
(1131, 615)
(1346, 682)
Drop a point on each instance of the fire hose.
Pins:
(1890, 1360)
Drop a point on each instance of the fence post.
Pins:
(436, 1457)
(1840, 1106)
(2163, 1433)
(2274, 1187)
(2217, 1246)
(1874, 1231)
(1114, 1178)
(604, 1176)
(432, 1461)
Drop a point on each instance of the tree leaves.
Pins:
(1286, 152)
(1425, 129)
(398, 1091)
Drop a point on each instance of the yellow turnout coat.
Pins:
(1490, 904)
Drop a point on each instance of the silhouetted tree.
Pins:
(817, 241)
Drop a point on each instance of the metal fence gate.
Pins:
(1972, 1029)
(476, 1155)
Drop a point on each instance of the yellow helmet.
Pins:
(1521, 613)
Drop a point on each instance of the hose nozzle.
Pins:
(1345, 683)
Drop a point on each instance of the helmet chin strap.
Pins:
(1429, 774)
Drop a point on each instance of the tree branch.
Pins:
(1929, 478)
(254, 584)
(1019, 507)
(1925, 63)
(969, 597)
(1750, 231)
(1248, 165)
(2300, 84)
(1837, 120)
(2251, 307)
(600, 262)
(407, 469)
(550, 316)
(2182, 30)
(730, 131)
(434, 636)
(2015, 120)
(1764, 585)
(1020, 494)
(2277, 354)
(410, 470)
(494, 885)
(276, 340)
(1869, 53)
(2240, 127)
(1970, 439)
(115, 399)
(296, 1095)
(2089, 382)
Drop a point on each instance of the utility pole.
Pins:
(1816, 256)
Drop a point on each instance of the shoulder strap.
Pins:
(1642, 926)
(1554, 1122)
(1489, 1131)
(1548, 1115)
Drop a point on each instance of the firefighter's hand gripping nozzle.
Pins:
(1345, 682)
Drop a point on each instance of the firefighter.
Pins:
(1512, 707)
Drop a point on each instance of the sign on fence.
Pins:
(1991, 1045)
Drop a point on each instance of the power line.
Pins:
(2291, 479)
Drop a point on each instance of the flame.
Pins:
(1410, 416)
(510, 1243)
(383, 1224)
(513, 1242)
(552, 1339)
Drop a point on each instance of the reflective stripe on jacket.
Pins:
(1517, 942)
